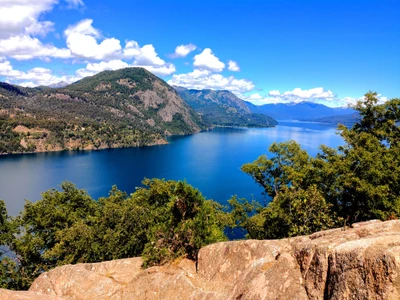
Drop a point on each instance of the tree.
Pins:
(358, 181)
(161, 221)
(183, 221)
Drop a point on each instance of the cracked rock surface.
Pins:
(362, 262)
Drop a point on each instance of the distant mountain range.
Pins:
(60, 84)
(306, 111)
(223, 108)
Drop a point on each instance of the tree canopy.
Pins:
(358, 181)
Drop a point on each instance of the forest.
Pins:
(106, 110)
(164, 220)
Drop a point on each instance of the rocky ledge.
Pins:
(362, 262)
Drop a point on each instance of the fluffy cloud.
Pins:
(94, 68)
(183, 50)
(233, 66)
(82, 42)
(204, 79)
(25, 47)
(350, 101)
(206, 60)
(22, 17)
(317, 95)
(33, 77)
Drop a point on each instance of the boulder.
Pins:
(362, 262)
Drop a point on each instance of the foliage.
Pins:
(183, 220)
(101, 111)
(161, 221)
(359, 181)
(222, 108)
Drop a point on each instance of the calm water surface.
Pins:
(210, 161)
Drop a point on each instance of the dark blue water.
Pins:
(210, 161)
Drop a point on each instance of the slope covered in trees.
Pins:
(127, 107)
(223, 108)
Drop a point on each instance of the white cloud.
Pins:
(33, 77)
(81, 40)
(183, 50)
(233, 66)
(204, 79)
(299, 95)
(206, 60)
(94, 68)
(22, 17)
(274, 93)
(165, 70)
(351, 101)
(316, 95)
(148, 58)
(24, 47)
(74, 3)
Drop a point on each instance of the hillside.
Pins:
(357, 263)
(298, 111)
(223, 108)
(348, 119)
(123, 108)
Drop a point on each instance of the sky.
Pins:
(327, 51)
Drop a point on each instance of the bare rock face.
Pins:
(358, 263)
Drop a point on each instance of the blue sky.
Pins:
(328, 52)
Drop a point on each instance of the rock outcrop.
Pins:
(362, 262)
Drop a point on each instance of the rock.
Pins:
(25, 295)
(362, 262)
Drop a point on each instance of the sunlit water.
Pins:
(210, 161)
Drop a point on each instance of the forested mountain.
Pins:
(298, 111)
(348, 119)
(127, 107)
(223, 108)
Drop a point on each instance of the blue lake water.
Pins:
(210, 161)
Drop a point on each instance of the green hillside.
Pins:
(128, 107)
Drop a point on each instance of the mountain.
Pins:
(348, 119)
(223, 108)
(127, 107)
(298, 111)
(60, 84)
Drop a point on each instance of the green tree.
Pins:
(183, 221)
(358, 181)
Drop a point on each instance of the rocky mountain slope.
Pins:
(223, 108)
(362, 262)
(127, 107)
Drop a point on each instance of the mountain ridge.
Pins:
(298, 111)
(223, 108)
(123, 108)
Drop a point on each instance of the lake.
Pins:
(210, 161)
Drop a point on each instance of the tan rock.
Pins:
(362, 262)
(25, 295)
